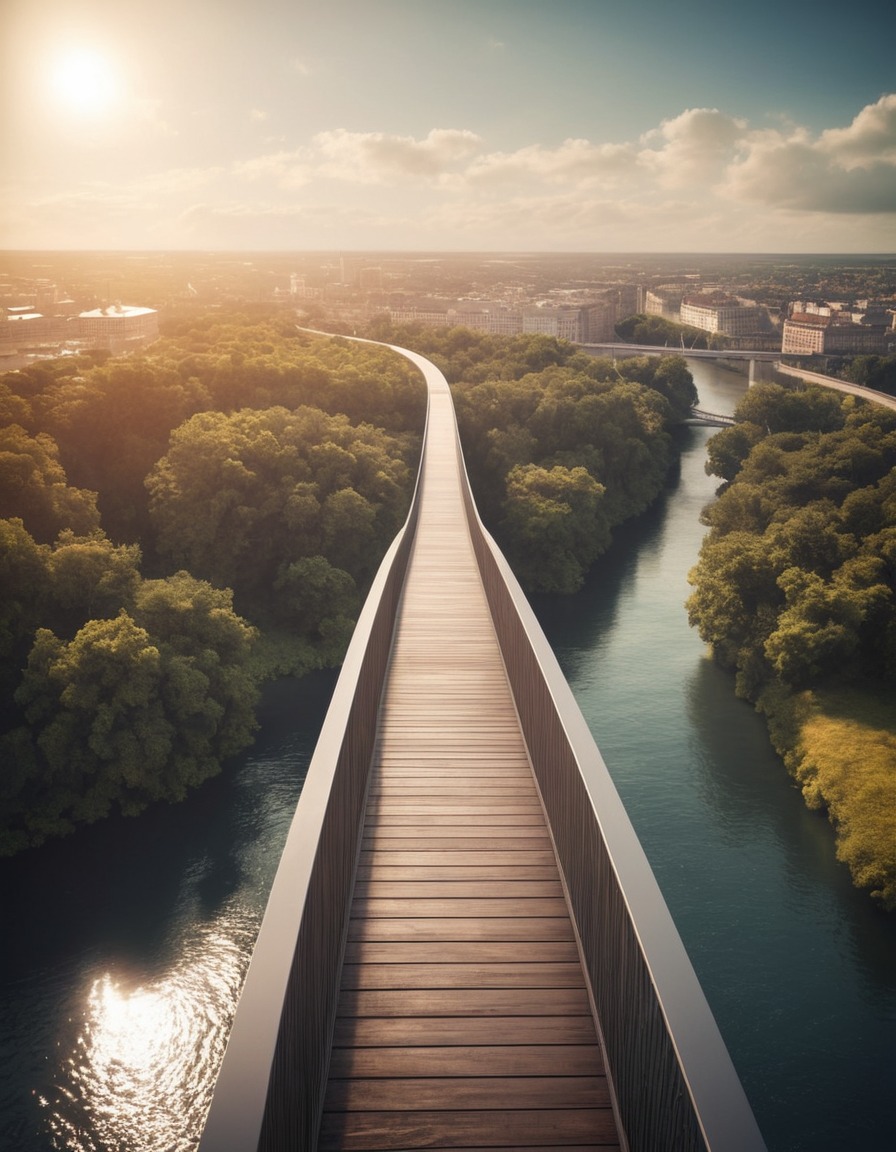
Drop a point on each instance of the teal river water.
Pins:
(124, 947)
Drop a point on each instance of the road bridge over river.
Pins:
(464, 945)
(619, 350)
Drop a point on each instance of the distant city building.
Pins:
(717, 313)
(804, 334)
(598, 321)
(588, 324)
(298, 289)
(838, 328)
(26, 328)
(119, 326)
(665, 302)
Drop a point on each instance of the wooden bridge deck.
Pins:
(463, 1018)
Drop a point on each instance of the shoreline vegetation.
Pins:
(182, 524)
(794, 592)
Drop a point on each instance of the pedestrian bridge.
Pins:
(712, 419)
(464, 945)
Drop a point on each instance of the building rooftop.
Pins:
(116, 310)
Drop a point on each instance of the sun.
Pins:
(85, 81)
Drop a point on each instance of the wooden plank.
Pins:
(387, 820)
(463, 1002)
(458, 974)
(523, 1128)
(481, 858)
(511, 889)
(410, 908)
(410, 786)
(485, 1060)
(473, 809)
(465, 952)
(458, 842)
(461, 928)
(458, 1093)
(437, 868)
(424, 1031)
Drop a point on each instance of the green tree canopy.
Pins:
(555, 526)
(239, 498)
(132, 709)
(35, 489)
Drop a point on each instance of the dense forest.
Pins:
(177, 526)
(795, 590)
(181, 524)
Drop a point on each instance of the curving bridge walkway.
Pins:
(464, 946)
(463, 1017)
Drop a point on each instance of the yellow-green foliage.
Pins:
(840, 745)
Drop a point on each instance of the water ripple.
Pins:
(140, 1063)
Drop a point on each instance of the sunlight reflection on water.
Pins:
(141, 1064)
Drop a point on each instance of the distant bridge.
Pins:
(713, 419)
(620, 350)
(464, 945)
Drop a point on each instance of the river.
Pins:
(125, 946)
(799, 968)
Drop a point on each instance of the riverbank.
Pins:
(839, 744)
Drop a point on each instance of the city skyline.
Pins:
(455, 125)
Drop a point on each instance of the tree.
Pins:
(728, 449)
(780, 409)
(878, 372)
(34, 487)
(736, 597)
(554, 526)
(817, 632)
(133, 709)
(23, 577)
(240, 497)
(673, 380)
(88, 577)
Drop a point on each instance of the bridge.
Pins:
(464, 945)
(713, 419)
(618, 350)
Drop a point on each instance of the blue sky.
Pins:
(559, 125)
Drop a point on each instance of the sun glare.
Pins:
(85, 82)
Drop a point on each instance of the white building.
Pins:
(804, 334)
(719, 314)
(119, 326)
(836, 329)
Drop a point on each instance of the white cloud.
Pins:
(692, 147)
(870, 139)
(578, 163)
(284, 169)
(845, 170)
(381, 157)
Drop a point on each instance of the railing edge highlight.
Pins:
(269, 1091)
(701, 1100)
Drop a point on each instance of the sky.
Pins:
(448, 125)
